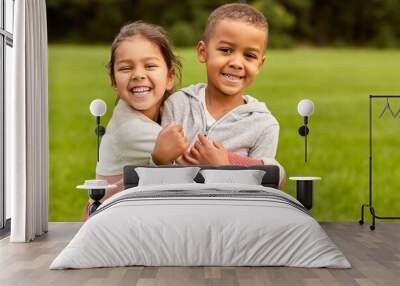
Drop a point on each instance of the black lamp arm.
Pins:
(100, 131)
(303, 131)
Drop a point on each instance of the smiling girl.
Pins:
(142, 70)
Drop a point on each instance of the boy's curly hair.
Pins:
(237, 12)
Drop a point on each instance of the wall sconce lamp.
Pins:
(305, 108)
(98, 108)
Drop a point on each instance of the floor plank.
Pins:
(374, 255)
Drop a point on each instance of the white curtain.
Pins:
(27, 124)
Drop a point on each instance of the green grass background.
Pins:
(337, 80)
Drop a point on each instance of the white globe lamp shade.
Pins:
(98, 107)
(305, 107)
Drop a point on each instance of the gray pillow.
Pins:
(166, 176)
(248, 177)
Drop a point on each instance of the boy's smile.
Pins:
(233, 56)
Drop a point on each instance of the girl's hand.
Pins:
(204, 152)
(187, 159)
(170, 144)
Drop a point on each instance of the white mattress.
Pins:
(144, 226)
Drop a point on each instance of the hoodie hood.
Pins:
(252, 104)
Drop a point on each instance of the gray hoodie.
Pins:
(249, 129)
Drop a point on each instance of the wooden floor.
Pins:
(374, 255)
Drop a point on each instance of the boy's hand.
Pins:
(204, 152)
(170, 144)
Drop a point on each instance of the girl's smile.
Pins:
(140, 92)
(141, 75)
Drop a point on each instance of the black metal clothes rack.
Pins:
(369, 205)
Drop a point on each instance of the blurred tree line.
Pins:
(373, 23)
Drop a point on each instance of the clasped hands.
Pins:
(172, 145)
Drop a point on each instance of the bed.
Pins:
(201, 223)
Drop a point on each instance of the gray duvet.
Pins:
(201, 224)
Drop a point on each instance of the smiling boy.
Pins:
(217, 117)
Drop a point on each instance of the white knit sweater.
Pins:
(129, 139)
